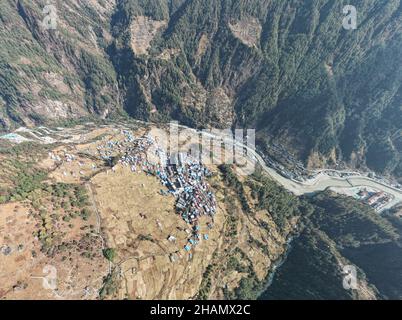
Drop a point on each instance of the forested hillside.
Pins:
(287, 68)
(59, 73)
(338, 233)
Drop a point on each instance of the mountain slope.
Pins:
(56, 74)
(287, 68)
(294, 73)
(341, 232)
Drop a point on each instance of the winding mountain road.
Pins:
(321, 182)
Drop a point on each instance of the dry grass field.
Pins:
(25, 270)
(132, 215)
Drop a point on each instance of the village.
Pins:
(132, 151)
(154, 206)
(182, 177)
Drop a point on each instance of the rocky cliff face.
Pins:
(287, 68)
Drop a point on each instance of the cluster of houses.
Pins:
(184, 177)
(376, 200)
(68, 157)
(136, 154)
(133, 151)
